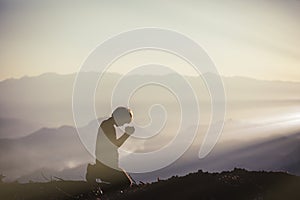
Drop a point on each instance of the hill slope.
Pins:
(237, 184)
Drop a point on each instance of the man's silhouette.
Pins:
(107, 157)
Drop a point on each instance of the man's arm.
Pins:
(112, 136)
(122, 139)
(129, 130)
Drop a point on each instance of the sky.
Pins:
(258, 38)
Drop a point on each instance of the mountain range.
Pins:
(60, 153)
(38, 138)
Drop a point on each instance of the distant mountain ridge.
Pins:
(15, 128)
(59, 152)
(47, 99)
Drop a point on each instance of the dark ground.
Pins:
(237, 184)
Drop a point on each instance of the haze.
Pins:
(258, 39)
(254, 44)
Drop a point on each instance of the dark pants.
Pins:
(117, 179)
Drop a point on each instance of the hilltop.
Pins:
(236, 184)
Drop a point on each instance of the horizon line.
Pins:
(116, 73)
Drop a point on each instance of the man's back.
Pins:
(106, 149)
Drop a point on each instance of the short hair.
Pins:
(122, 115)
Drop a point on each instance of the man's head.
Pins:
(122, 116)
